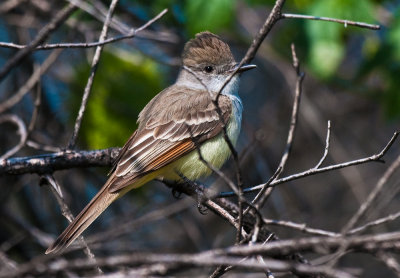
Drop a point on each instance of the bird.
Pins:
(192, 113)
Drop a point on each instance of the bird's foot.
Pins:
(176, 193)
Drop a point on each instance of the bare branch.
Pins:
(21, 131)
(132, 33)
(373, 158)
(238, 190)
(9, 5)
(48, 163)
(56, 189)
(273, 17)
(155, 215)
(42, 147)
(365, 206)
(93, 70)
(372, 196)
(208, 258)
(300, 227)
(345, 22)
(326, 150)
(380, 221)
(266, 191)
(390, 261)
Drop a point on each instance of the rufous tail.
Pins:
(96, 206)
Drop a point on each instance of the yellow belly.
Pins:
(215, 151)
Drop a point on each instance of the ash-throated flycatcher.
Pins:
(171, 125)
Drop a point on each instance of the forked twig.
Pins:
(313, 171)
(364, 207)
(266, 191)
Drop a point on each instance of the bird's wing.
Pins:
(167, 133)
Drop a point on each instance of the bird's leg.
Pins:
(197, 189)
(176, 193)
(176, 189)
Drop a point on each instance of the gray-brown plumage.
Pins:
(169, 126)
(207, 49)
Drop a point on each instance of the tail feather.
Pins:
(96, 206)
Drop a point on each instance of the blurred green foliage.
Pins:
(209, 15)
(123, 85)
(326, 48)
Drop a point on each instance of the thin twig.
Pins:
(209, 165)
(9, 5)
(364, 207)
(23, 134)
(390, 262)
(273, 17)
(368, 202)
(326, 150)
(373, 158)
(374, 223)
(42, 147)
(300, 227)
(264, 30)
(239, 189)
(100, 15)
(217, 171)
(58, 19)
(126, 227)
(207, 258)
(56, 190)
(93, 69)
(130, 35)
(37, 102)
(266, 191)
(341, 21)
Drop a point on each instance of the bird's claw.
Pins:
(176, 193)
(202, 208)
(200, 204)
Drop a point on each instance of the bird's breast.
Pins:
(215, 150)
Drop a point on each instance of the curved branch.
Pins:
(21, 130)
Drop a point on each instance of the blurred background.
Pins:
(352, 78)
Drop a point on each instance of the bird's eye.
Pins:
(208, 69)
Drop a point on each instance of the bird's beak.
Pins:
(245, 68)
